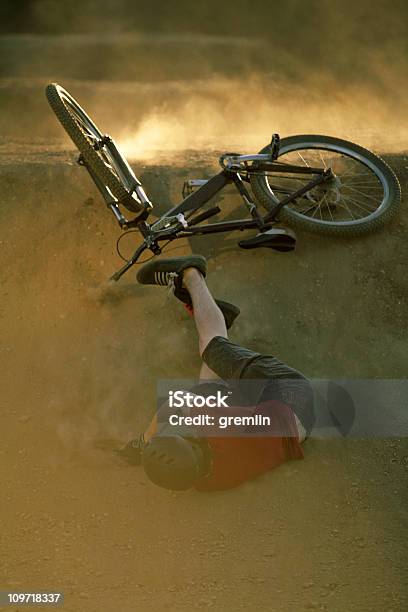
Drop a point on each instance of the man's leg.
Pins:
(207, 374)
(208, 317)
(212, 317)
(227, 360)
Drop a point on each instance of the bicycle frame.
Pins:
(178, 222)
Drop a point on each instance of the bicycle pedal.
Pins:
(277, 238)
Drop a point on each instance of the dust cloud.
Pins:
(230, 116)
(208, 77)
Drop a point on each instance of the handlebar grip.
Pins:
(117, 275)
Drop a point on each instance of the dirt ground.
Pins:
(80, 361)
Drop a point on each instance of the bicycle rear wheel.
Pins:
(363, 195)
(112, 170)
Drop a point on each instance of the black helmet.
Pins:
(173, 462)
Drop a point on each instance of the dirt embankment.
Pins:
(79, 367)
(80, 361)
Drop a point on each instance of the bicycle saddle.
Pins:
(277, 238)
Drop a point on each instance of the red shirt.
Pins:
(238, 459)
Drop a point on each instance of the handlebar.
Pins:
(151, 238)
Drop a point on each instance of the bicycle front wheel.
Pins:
(112, 171)
(362, 196)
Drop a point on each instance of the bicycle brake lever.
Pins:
(129, 264)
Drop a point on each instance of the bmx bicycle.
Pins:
(316, 183)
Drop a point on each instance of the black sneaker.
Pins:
(230, 312)
(170, 271)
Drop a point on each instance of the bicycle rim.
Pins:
(358, 193)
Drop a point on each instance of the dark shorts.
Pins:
(273, 379)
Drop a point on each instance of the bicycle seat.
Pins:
(277, 238)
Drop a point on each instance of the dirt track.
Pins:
(80, 361)
(79, 367)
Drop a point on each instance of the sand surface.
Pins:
(80, 361)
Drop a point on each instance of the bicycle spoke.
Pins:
(315, 209)
(359, 205)
(328, 206)
(363, 186)
(366, 174)
(372, 191)
(323, 162)
(358, 181)
(303, 160)
(349, 211)
(364, 194)
(363, 205)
